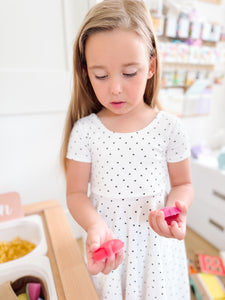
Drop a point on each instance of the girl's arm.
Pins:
(181, 196)
(85, 214)
(181, 184)
(79, 205)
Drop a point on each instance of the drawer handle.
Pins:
(220, 227)
(219, 195)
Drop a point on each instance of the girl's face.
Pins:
(118, 68)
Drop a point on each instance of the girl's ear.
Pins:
(152, 67)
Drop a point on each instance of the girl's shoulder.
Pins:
(85, 122)
(87, 119)
(168, 118)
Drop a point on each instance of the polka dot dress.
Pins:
(129, 178)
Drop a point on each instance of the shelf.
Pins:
(173, 86)
(193, 116)
(186, 66)
(167, 39)
(212, 1)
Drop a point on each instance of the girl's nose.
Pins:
(115, 86)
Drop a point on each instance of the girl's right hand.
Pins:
(97, 235)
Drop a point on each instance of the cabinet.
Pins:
(206, 215)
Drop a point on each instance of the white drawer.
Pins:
(209, 222)
(217, 202)
(218, 181)
(202, 180)
(207, 181)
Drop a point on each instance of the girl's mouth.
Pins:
(118, 104)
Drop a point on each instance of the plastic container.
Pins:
(29, 228)
(35, 263)
(38, 266)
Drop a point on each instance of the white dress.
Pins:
(129, 178)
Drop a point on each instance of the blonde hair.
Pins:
(130, 15)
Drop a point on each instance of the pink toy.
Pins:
(108, 249)
(171, 213)
(33, 291)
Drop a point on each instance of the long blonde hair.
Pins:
(130, 15)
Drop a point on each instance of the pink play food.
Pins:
(108, 249)
(33, 291)
(171, 213)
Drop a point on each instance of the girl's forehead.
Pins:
(114, 35)
(116, 44)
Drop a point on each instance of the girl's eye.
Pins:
(130, 74)
(101, 77)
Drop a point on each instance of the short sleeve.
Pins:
(178, 147)
(78, 146)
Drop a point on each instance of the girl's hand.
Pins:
(176, 230)
(97, 235)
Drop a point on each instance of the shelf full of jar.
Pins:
(187, 66)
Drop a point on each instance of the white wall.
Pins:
(36, 40)
(29, 156)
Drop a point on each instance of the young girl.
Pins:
(118, 141)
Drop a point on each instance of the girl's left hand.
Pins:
(176, 230)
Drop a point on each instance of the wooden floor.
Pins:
(194, 244)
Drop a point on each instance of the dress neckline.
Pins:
(148, 126)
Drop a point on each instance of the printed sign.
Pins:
(10, 206)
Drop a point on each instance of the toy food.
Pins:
(108, 249)
(22, 297)
(14, 249)
(33, 291)
(171, 213)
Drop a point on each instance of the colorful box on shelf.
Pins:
(211, 264)
(207, 286)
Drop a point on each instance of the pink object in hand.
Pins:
(171, 213)
(108, 249)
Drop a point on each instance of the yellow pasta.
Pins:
(14, 249)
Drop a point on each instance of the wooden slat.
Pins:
(37, 207)
(74, 275)
(71, 277)
(51, 256)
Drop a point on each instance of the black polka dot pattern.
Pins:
(129, 178)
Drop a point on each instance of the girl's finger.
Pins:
(119, 259)
(94, 267)
(162, 225)
(153, 221)
(109, 265)
(177, 232)
(181, 205)
(93, 242)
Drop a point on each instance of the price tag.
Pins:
(10, 206)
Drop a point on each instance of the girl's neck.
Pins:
(130, 122)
